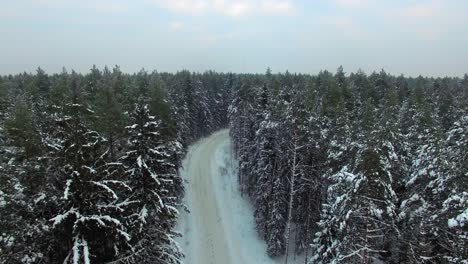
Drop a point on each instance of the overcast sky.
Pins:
(428, 37)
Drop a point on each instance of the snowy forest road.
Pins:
(220, 227)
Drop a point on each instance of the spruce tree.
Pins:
(22, 129)
(89, 227)
(152, 175)
(110, 119)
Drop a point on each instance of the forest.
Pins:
(350, 168)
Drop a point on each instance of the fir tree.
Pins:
(89, 226)
(152, 175)
(22, 130)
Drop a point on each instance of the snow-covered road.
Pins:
(220, 227)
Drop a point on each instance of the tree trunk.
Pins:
(291, 197)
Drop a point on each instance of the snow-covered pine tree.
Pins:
(214, 87)
(160, 107)
(277, 223)
(434, 211)
(265, 157)
(336, 180)
(309, 149)
(423, 147)
(309, 186)
(21, 128)
(151, 166)
(59, 89)
(242, 132)
(295, 122)
(200, 112)
(25, 203)
(393, 151)
(226, 98)
(445, 101)
(110, 119)
(89, 227)
(359, 212)
(191, 107)
(180, 97)
(91, 83)
(453, 189)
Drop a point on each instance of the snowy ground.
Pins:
(220, 227)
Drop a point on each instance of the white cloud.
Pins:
(429, 19)
(339, 25)
(234, 9)
(230, 8)
(186, 6)
(353, 3)
(176, 25)
(102, 6)
(421, 10)
(207, 38)
(433, 11)
(278, 7)
(336, 21)
(109, 7)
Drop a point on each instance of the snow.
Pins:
(124, 234)
(91, 170)
(76, 251)
(61, 217)
(106, 188)
(452, 223)
(86, 252)
(7, 240)
(459, 220)
(143, 214)
(139, 162)
(2, 199)
(220, 227)
(99, 219)
(41, 197)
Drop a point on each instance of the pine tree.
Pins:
(91, 83)
(76, 91)
(42, 82)
(183, 105)
(241, 119)
(360, 212)
(59, 89)
(159, 106)
(453, 190)
(152, 175)
(263, 170)
(22, 130)
(110, 119)
(201, 111)
(310, 185)
(445, 105)
(277, 223)
(280, 208)
(434, 211)
(89, 227)
(295, 121)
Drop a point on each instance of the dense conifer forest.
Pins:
(348, 168)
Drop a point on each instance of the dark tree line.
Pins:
(343, 169)
(89, 163)
(355, 169)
